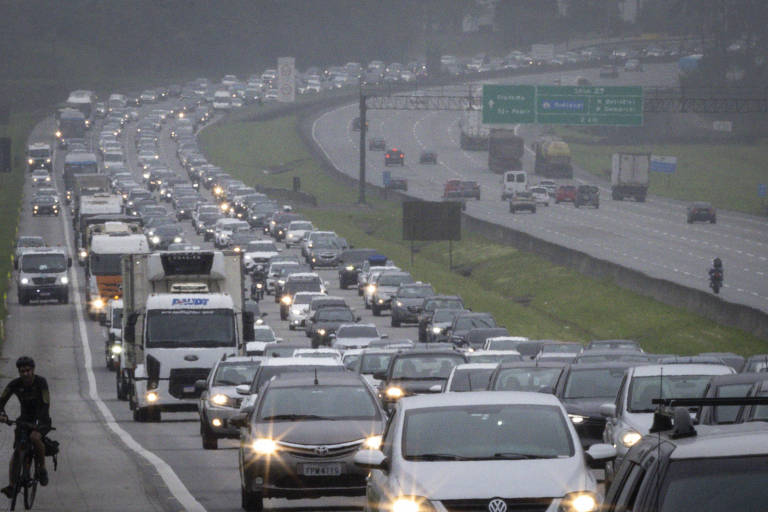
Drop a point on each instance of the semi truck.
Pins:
(71, 124)
(505, 151)
(474, 135)
(76, 164)
(552, 159)
(181, 312)
(629, 176)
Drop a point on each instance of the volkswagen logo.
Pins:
(497, 505)
(191, 357)
(322, 451)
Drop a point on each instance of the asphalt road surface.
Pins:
(651, 237)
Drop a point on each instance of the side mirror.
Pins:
(370, 459)
(598, 454)
(436, 388)
(326, 284)
(201, 385)
(243, 389)
(384, 336)
(608, 410)
(238, 420)
(380, 375)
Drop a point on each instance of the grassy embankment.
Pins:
(727, 175)
(527, 294)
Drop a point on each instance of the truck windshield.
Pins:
(43, 263)
(105, 264)
(199, 328)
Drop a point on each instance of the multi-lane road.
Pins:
(652, 237)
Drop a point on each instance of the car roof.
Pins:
(294, 379)
(741, 439)
(242, 359)
(653, 370)
(477, 398)
(300, 361)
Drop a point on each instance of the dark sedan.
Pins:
(701, 211)
(350, 263)
(45, 205)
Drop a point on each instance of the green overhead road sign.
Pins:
(574, 105)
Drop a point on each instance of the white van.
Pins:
(514, 181)
(222, 100)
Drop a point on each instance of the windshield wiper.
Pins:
(521, 456)
(294, 417)
(229, 383)
(436, 456)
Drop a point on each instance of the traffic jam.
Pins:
(330, 369)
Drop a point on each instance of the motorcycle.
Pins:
(716, 280)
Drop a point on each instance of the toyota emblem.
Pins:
(497, 505)
(323, 451)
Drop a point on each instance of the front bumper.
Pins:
(211, 413)
(43, 291)
(382, 302)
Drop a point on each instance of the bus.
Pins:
(71, 124)
(83, 101)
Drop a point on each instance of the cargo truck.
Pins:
(474, 135)
(629, 176)
(505, 151)
(181, 312)
(552, 159)
(76, 164)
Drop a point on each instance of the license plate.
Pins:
(189, 389)
(322, 469)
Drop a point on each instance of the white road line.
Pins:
(171, 480)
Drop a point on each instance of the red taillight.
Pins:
(386, 156)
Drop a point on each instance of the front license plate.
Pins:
(322, 469)
(189, 389)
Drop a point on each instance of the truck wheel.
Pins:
(210, 441)
(251, 501)
(154, 414)
(140, 414)
(64, 299)
(120, 387)
(641, 199)
(23, 299)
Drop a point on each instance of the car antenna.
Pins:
(316, 382)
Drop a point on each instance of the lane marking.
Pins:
(170, 479)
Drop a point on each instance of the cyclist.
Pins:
(35, 401)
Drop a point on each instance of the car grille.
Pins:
(512, 505)
(591, 428)
(43, 280)
(181, 378)
(320, 451)
(414, 309)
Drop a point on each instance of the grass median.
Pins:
(527, 294)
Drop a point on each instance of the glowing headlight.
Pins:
(264, 446)
(321, 332)
(350, 268)
(372, 443)
(24, 280)
(630, 438)
(47, 160)
(411, 504)
(220, 399)
(64, 280)
(281, 282)
(259, 286)
(152, 396)
(286, 300)
(436, 330)
(395, 392)
(30, 161)
(371, 288)
(177, 239)
(381, 301)
(216, 422)
(83, 254)
(399, 304)
(236, 249)
(98, 303)
(116, 349)
(579, 502)
(146, 175)
(47, 178)
(577, 419)
(155, 239)
(58, 134)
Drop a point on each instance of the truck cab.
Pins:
(39, 156)
(43, 274)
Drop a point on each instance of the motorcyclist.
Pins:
(716, 273)
(34, 398)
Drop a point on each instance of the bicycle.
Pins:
(25, 453)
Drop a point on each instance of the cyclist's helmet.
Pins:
(717, 263)
(25, 362)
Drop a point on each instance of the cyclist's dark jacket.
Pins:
(35, 399)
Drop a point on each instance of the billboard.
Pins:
(286, 79)
(432, 220)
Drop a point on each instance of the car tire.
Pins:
(120, 387)
(64, 298)
(575, 204)
(290, 327)
(394, 322)
(375, 310)
(210, 441)
(315, 342)
(251, 501)
(140, 415)
(342, 285)
(713, 221)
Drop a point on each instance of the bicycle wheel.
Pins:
(30, 491)
(18, 485)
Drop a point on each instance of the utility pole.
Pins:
(363, 126)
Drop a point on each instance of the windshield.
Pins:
(335, 315)
(264, 334)
(716, 484)
(261, 247)
(200, 328)
(303, 298)
(235, 374)
(560, 349)
(474, 322)
(471, 380)
(445, 316)
(373, 363)
(31, 242)
(81, 168)
(303, 285)
(432, 305)
(498, 432)
(43, 263)
(105, 264)
(295, 226)
(267, 373)
(395, 281)
(437, 366)
(39, 153)
(597, 383)
(117, 318)
(527, 378)
(318, 402)
(415, 292)
(728, 414)
(644, 389)
(357, 331)
(503, 344)
(325, 243)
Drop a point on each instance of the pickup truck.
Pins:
(522, 201)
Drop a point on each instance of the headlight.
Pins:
(436, 330)
(381, 301)
(350, 268)
(264, 446)
(281, 282)
(259, 286)
(30, 161)
(286, 300)
(146, 175)
(224, 207)
(58, 134)
(630, 438)
(98, 303)
(577, 419)
(579, 502)
(64, 280)
(116, 349)
(399, 304)
(321, 332)
(47, 160)
(220, 399)
(372, 443)
(412, 504)
(83, 254)
(395, 392)
(371, 288)
(155, 240)
(177, 239)
(47, 178)
(24, 280)
(152, 396)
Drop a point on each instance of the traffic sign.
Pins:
(761, 189)
(286, 72)
(665, 164)
(573, 105)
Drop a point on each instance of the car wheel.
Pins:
(64, 299)
(713, 221)
(210, 441)
(315, 342)
(576, 204)
(120, 387)
(140, 414)
(394, 322)
(375, 310)
(251, 501)
(23, 299)
(290, 327)
(342, 285)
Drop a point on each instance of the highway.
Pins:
(651, 237)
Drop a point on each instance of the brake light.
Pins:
(386, 156)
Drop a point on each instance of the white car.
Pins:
(224, 228)
(40, 177)
(296, 230)
(299, 310)
(263, 336)
(349, 336)
(488, 450)
(259, 252)
(540, 195)
(318, 353)
(473, 376)
(550, 185)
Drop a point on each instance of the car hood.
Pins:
(411, 301)
(449, 480)
(353, 342)
(321, 432)
(417, 386)
(584, 406)
(639, 421)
